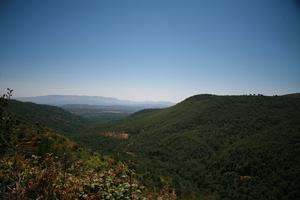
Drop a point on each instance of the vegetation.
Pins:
(107, 117)
(206, 147)
(50, 116)
(213, 147)
(89, 111)
(36, 162)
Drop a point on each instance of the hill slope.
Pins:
(219, 147)
(36, 162)
(50, 116)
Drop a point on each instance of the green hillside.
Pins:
(36, 162)
(212, 147)
(50, 116)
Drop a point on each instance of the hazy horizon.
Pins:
(149, 50)
(16, 97)
(173, 102)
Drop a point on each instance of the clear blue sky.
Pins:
(148, 49)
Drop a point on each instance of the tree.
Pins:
(7, 124)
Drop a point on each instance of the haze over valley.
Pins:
(150, 100)
(60, 100)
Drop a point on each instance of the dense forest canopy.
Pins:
(223, 147)
(206, 147)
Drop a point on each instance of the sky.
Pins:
(149, 49)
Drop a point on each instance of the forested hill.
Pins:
(208, 146)
(50, 116)
(37, 162)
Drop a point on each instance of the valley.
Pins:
(205, 147)
(149, 100)
(40, 160)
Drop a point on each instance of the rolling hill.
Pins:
(206, 147)
(37, 162)
(50, 116)
(212, 147)
(95, 109)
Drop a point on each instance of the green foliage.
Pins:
(213, 147)
(206, 147)
(50, 116)
(41, 164)
(47, 178)
(7, 124)
(107, 117)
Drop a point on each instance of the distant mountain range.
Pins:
(60, 100)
